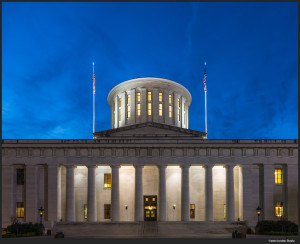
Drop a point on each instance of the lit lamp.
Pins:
(174, 206)
(41, 210)
(258, 211)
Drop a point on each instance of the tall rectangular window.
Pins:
(224, 211)
(178, 109)
(278, 176)
(184, 115)
(170, 99)
(138, 109)
(107, 180)
(138, 96)
(160, 97)
(192, 211)
(20, 209)
(160, 109)
(20, 176)
(149, 96)
(170, 111)
(128, 106)
(107, 209)
(85, 211)
(120, 110)
(149, 108)
(279, 209)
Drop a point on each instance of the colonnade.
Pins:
(139, 207)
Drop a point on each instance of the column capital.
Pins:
(115, 166)
(138, 166)
(162, 166)
(70, 166)
(228, 166)
(91, 166)
(185, 165)
(208, 165)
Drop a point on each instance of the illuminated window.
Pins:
(139, 109)
(170, 111)
(160, 109)
(128, 99)
(149, 108)
(20, 176)
(160, 97)
(178, 109)
(192, 211)
(120, 111)
(138, 97)
(107, 180)
(278, 176)
(153, 199)
(128, 111)
(85, 211)
(279, 209)
(107, 208)
(170, 99)
(224, 211)
(146, 199)
(20, 209)
(128, 106)
(178, 103)
(149, 96)
(184, 115)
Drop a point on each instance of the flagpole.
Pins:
(205, 90)
(93, 99)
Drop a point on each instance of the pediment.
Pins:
(148, 129)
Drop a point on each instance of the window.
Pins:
(20, 209)
(128, 106)
(170, 99)
(149, 96)
(138, 97)
(184, 117)
(107, 180)
(278, 176)
(160, 109)
(279, 209)
(20, 176)
(139, 109)
(224, 211)
(107, 211)
(85, 211)
(120, 111)
(170, 111)
(192, 211)
(149, 108)
(160, 96)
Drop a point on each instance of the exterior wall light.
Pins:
(126, 207)
(174, 206)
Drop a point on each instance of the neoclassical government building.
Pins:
(149, 166)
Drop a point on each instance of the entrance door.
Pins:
(150, 208)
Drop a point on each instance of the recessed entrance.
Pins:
(150, 208)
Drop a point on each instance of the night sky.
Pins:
(251, 50)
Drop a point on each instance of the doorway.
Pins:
(150, 208)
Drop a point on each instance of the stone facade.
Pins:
(225, 179)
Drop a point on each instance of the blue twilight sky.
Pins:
(251, 50)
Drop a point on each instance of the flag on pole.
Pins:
(205, 78)
(94, 81)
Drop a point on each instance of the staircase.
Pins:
(147, 229)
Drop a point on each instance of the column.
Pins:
(248, 208)
(209, 213)
(162, 203)
(268, 210)
(91, 207)
(138, 200)
(115, 196)
(31, 190)
(185, 193)
(70, 194)
(8, 205)
(291, 192)
(52, 192)
(230, 211)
